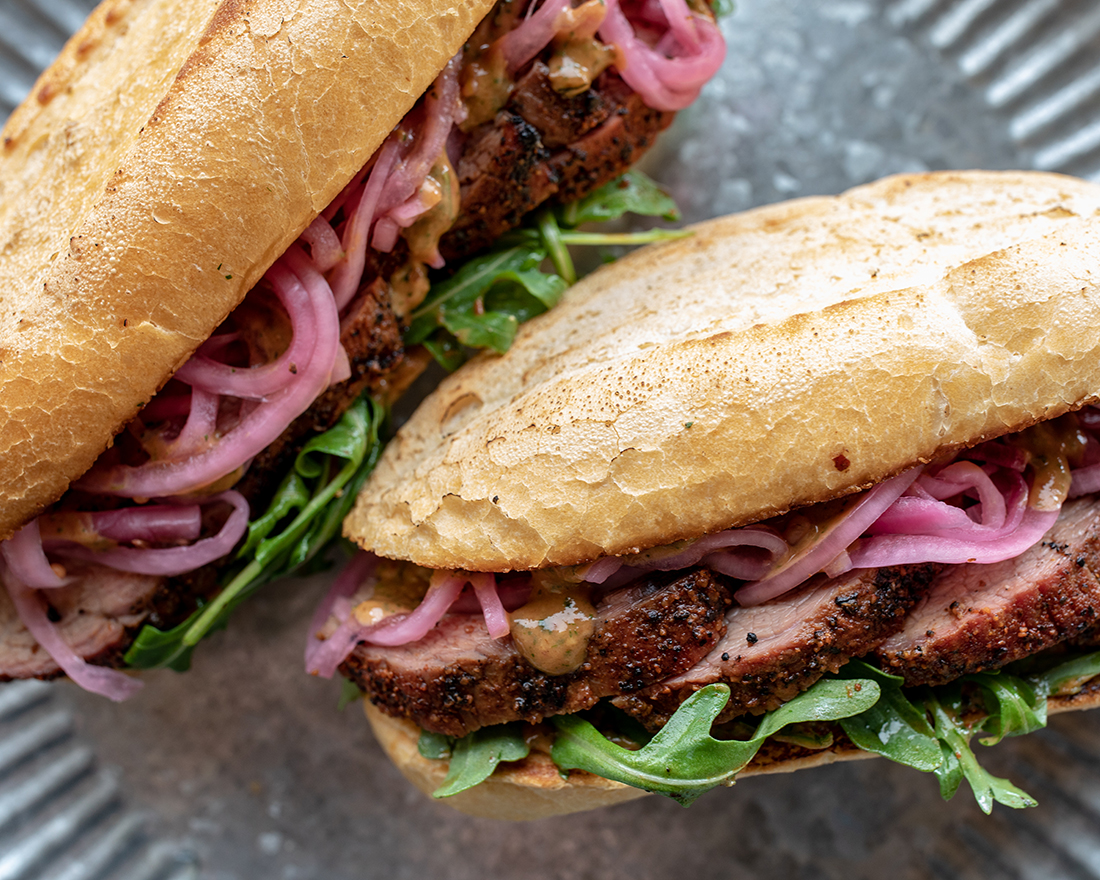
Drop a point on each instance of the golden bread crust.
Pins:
(530, 789)
(776, 358)
(161, 164)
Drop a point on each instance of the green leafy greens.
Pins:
(302, 518)
(929, 729)
(475, 756)
(485, 301)
(683, 760)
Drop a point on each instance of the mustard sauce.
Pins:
(408, 287)
(73, 526)
(1050, 447)
(553, 629)
(811, 525)
(578, 56)
(441, 190)
(486, 85)
(399, 588)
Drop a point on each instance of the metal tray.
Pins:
(243, 768)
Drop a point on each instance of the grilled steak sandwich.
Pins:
(218, 219)
(815, 472)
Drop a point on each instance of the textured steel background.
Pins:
(243, 768)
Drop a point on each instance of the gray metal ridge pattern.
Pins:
(62, 815)
(246, 760)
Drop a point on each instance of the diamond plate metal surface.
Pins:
(245, 761)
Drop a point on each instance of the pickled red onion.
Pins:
(198, 430)
(259, 382)
(513, 592)
(1086, 480)
(442, 108)
(304, 287)
(323, 656)
(666, 83)
(904, 549)
(496, 618)
(168, 561)
(325, 247)
(922, 528)
(27, 560)
(818, 555)
(31, 609)
(150, 522)
(524, 42)
(401, 629)
(733, 552)
(347, 274)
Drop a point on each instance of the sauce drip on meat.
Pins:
(552, 630)
(578, 56)
(1050, 447)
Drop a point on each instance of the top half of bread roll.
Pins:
(774, 359)
(161, 164)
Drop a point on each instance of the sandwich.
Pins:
(220, 224)
(816, 482)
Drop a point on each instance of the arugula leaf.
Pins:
(494, 330)
(1066, 677)
(960, 761)
(476, 756)
(317, 494)
(436, 746)
(722, 8)
(894, 727)
(898, 727)
(349, 693)
(1015, 706)
(482, 304)
(683, 760)
(446, 350)
(633, 193)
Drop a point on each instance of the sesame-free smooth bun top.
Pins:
(773, 359)
(160, 165)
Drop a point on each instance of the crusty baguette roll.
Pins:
(534, 788)
(164, 161)
(776, 358)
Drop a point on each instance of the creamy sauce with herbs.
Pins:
(441, 190)
(578, 56)
(486, 86)
(552, 630)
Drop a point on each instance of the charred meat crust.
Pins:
(457, 679)
(773, 652)
(978, 617)
(534, 151)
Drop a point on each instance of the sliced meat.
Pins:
(457, 679)
(983, 616)
(607, 151)
(559, 120)
(95, 615)
(509, 166)
(773, 652)
(503, 174)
